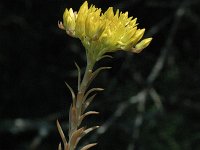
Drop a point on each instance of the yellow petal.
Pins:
(144, 43)
(109, 13)
(80, 21)
(138, 35)
(128, 35)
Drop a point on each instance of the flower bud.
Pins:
(143, 44)
(69, 19)
(138, 35)
(80, 21)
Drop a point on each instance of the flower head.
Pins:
(103, 32)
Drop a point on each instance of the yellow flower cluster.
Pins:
(103, 32)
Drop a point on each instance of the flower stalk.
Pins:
(77, 110)
(99, 33)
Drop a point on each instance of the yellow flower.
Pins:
(103, 32)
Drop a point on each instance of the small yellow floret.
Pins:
(143, 44)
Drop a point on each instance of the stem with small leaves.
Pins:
(77, 110)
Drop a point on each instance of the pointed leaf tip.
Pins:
(79, 75)
(61, 133)
(90, 129)
(88, 146)
(72, 92)
(59, 146)
(87, 114)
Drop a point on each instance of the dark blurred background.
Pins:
(150, 102)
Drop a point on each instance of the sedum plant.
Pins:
(99, 33)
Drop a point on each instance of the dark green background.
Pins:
(36, 58)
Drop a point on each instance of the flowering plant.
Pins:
(99, 33)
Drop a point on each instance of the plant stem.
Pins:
(76, 109)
